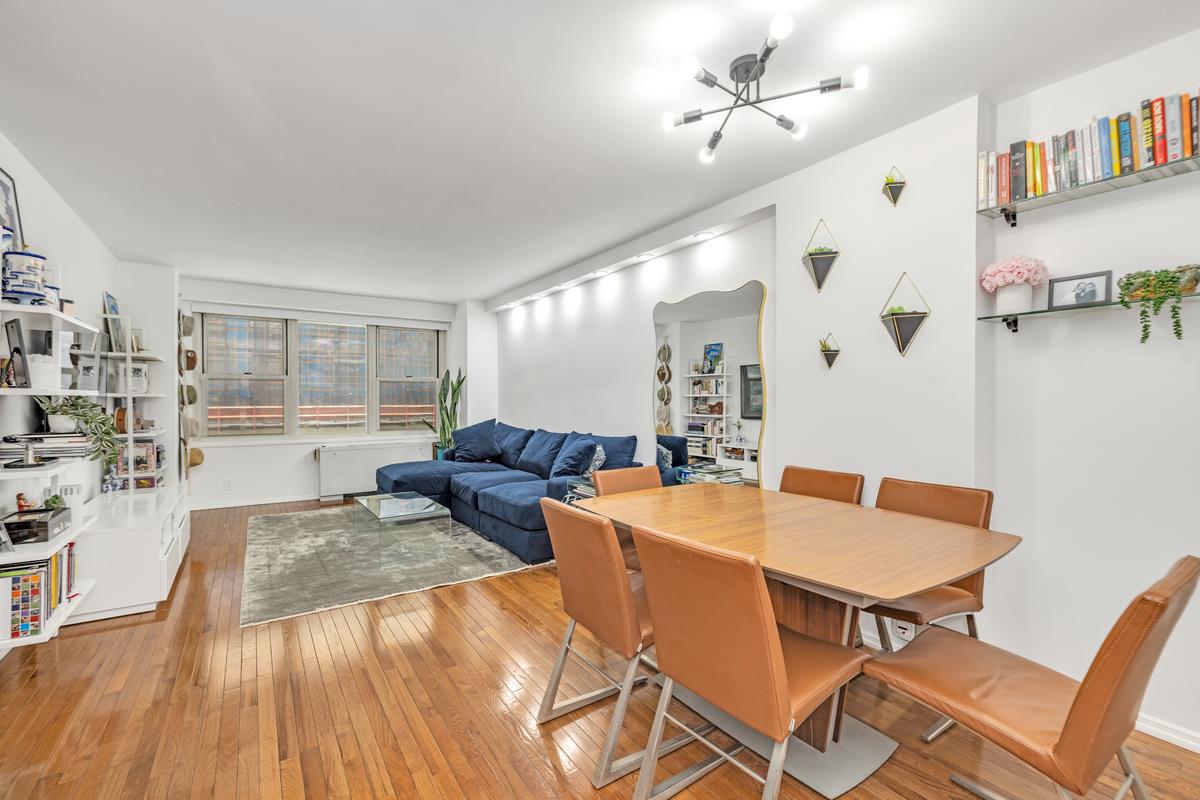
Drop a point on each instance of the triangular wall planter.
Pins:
(904, 313)
(894, 185)
(821, 254)
(830, 350)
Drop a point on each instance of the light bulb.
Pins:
(862, 77)
(781, 28)
(799, 130)
(690, 69)
(671, 121)
(707, 154)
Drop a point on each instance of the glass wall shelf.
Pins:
(1011, 320)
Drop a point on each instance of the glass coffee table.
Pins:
(372, 512)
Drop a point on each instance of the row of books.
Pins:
(61, 445)
(711, 427)
(36, 589)
(712, 387)
(710, 473)
(1161, 131)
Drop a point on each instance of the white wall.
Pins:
(1095, 434)
(87, 267)
(473, 350)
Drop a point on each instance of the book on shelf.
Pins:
(1030, 170)
(1158, 115)
(1105, 146)
(1196, 125)
(1003, 187)
(36, 589)
(1039, 169)
(981, 180)
(1017, 162)
(1185, 119)
(1097, 161)
(1051, 179)
(991, 180)
(1125, 127)
(1146, 138)
(1114, 146)
(1174, 126)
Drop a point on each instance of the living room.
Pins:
(375, 414)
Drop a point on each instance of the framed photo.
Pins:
(116, 332)
(10, 211)
(1078, 291)
(713, 356)
(751, 391)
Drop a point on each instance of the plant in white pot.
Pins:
(1012, 281)
(65, 414)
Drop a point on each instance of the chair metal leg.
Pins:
(1132, 777)
(548, 709)
(975, 789)
(775, 770)
(650, 759)
(1131, 780)
(1063, 794)
(885, 638)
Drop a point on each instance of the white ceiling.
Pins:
(451, 150)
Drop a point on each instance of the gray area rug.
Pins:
(313, 560)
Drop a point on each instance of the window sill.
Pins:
(314, 441)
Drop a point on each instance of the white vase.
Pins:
(1016, 298)
(61, 423)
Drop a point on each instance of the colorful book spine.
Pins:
(26, 602)
(1097, 161)
(1146, 151)
(1038, 163)
(991, 198)
(1114, 146)
(1125, 140)
(1003, 178)
(1196, 126)
(1072, 161)
(1102, 139)
(1030, 171)
(1174, 129)
(1051, 178)
(1158, 114)
(1017, 177)
(1185, 116)
(1089, 174)
(981, 181)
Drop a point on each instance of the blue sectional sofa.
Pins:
(496, 475)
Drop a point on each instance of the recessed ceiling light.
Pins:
(600, 273)
(705, 235)
(645, 256)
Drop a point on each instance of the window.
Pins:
(277, 376)
(333, 378)
(245, 365)
(407, 370)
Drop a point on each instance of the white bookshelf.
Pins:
(56, 620)
(48, 392)
(40, 551)
(43, 318)
(141, 356)
(50, 470)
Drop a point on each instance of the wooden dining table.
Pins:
(824, 562)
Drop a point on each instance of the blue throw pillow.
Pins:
(618, 450)
(476, 442)
(539, 454)
(574, 458)
(511, 442)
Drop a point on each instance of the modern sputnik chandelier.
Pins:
(746, 73)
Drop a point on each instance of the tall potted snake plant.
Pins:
(447, 406)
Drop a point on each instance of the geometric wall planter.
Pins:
(830, 350)
(893, 186)
(904, 313)
(821, 254)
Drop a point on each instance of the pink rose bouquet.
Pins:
(1018, 269)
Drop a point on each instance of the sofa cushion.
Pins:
(574, 458)
(678, 447)
(511, 442)
(476, 442)
(540, 452)
(467, 485)
(618, 450)
(518, 504)
(428, 478)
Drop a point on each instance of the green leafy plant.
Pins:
(94, 423)
(53, 501)
(448, 397)
(1152, 290)
(892, 177)
(825, 345)
(821, 250)
(895, 310)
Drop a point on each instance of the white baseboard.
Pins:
(259, 501)
(1151, 726)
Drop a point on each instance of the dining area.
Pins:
(735, 611)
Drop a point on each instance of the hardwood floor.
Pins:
(428, 695)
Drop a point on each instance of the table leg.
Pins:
(821, 618)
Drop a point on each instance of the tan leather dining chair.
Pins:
(717, 635)
(630, 479)
(845, 487)
(1066, 730)
(599, 594)
(964, 505)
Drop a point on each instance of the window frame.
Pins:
(291, 380)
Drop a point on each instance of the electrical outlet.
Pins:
(227, 485)
(904, 630)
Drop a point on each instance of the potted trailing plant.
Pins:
(829, 350)
(1152, 289)
(893, 185)
(447, 406)
(1011, 281)
(819, 260)
(90, 419)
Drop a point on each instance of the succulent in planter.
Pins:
(92, 420)
(821, 250)
(825, 345)
(830, 349)
(893, 310)
(893, 185)
(1153, 289)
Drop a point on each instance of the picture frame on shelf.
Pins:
(17, 365)
(10, 209)
(1080, 291)
(751, 386)
(118, 343)
(714, 354)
